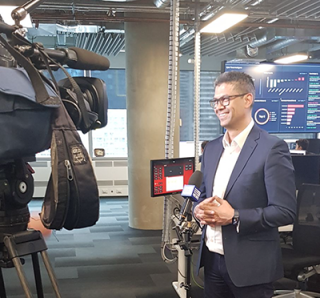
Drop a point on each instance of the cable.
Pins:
(192, 275)
(181, 273)
(163, 255)
(176, 212)
(171, 106)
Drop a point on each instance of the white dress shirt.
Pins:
(226, 165)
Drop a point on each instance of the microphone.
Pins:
(88, 60)
(190, 193)
(75, 58)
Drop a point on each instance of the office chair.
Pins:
(302, 260)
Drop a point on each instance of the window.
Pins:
(113, 137)
(209, 124)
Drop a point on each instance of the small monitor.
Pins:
(298, 152)
(168, 176)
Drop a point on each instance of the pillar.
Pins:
(147, 60)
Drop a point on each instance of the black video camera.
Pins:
(26, 118)
(93, 90)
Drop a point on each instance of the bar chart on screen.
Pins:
(286, 85)
(288, 113)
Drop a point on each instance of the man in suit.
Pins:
(248, 191)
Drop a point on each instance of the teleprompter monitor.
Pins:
(168, 176)
(287, 96)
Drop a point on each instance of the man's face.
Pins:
(236, 116)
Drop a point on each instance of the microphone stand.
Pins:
(184, 241)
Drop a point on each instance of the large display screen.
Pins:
(168, 176)
(287, 96)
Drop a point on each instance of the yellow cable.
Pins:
(192, 275)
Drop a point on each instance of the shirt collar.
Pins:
(240, 138)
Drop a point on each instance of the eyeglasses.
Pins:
(223, 100)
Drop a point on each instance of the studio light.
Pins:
(6, 15)
(223, 21)
(292, 58)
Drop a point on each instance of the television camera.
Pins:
(16, 181)
(93, 91)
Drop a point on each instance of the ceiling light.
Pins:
(223, 22)
(263, 68)
(6, 15)
(292, 58)
(273, 20)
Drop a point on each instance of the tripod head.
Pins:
(16, 190)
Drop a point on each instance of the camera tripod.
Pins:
(16, 241)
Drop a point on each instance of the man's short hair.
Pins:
(203, 144)
(242, 81)
(303, 143)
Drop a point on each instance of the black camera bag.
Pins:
(26, 107)
(72, 197)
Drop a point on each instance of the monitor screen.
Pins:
(314, 146)
(287, 96)
(298, 152)
(168, 176)
(306, 169)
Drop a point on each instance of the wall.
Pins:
(112, 177)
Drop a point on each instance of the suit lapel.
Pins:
(214, 165)
(245, 154)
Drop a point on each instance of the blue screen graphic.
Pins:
(287, 96)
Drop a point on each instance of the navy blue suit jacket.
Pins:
(262, 188)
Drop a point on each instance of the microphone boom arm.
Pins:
(19, 13)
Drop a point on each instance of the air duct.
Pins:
(282, 44)
(251, 52)
(161, 3)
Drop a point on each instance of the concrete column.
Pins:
(147, 59)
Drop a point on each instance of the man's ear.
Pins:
(249, 100)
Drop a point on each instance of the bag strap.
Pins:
(76, 88)
(42, 96)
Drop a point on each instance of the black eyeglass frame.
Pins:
(224, 100)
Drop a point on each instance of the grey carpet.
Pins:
(109, 259)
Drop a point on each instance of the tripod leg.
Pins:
(52, 277)
(37, 275)
(3, 293)
(22, 277)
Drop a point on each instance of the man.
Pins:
(248, 191)
(302, 144)
(203, 145)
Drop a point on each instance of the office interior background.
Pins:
(134, 36)
(272, 30)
